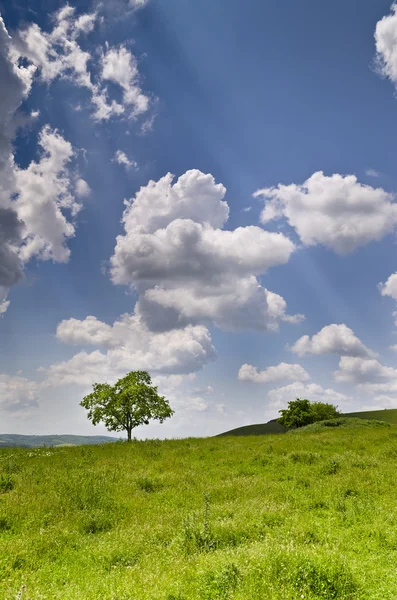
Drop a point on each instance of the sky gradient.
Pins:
(206, 191)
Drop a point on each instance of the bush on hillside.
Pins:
(302, 412)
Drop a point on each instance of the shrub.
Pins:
(302, 412)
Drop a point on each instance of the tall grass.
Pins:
(309, 515)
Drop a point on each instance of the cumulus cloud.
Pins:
(332, 339)
(11, 229)
(33, 201)
(129, 345)
(187, 268)
(4, 303)
(386, 45)
(18, 394)
(82, 189)
(37, 205)
(280, 397)
(138, 3)
(59, 54)
(389, 288)
(370, 376)
(120, 67)
(336, 211)
(45, 200)
(281, 372)
(15, 85)
(122, 159)
(356, 369)
(386, 401)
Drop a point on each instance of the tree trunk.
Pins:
(129, 430)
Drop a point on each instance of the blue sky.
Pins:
(230, 98)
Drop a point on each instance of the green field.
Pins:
(388, 415)
(309, 514)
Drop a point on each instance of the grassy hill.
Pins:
(259, 429)
(389, 415)
(309, 514)
(36, 441)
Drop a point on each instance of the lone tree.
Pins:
(132, 401)
(301, 412)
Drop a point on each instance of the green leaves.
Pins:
(131, 402)
(301, 412)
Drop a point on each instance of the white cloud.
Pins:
(120, 67)
(138, 3)
(281, 372)
(36, 203)
(386, 45)
(122, 159)
(32, 200)
(372, 173)
(356, 369)
(129, 344)
(17, 393)
(183, 399)
(44, 200)
(194, 196)
(82, 188)
(11, 229)
(386, 401)
(59, 54)
(337, 211)
(4, 304)
(280, 397)
(15, 85)
(83, 369)
(332, 339)
(389, 288)
(187, 268)
(195, 404)
(370, 376)
(90, 331)
(231, 303)
(85, 23)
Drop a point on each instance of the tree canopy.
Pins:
(301, 412)
(130, 402)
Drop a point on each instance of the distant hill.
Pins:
(389, 415)
(37, 441)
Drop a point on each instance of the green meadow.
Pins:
(303, 515)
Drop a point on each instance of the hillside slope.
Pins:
(259, 429)
(388, 415)
(305, 515)
(36, 441)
